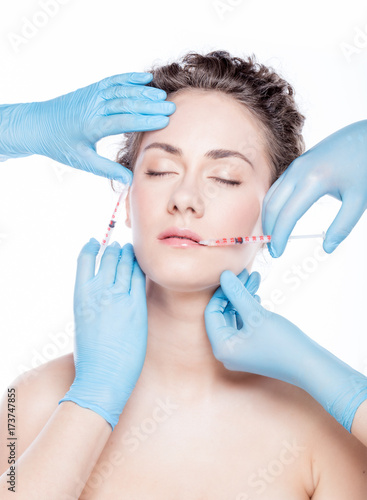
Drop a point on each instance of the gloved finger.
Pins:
(230, 316)
(109, 260)
(253, 282)
(86, 264)
(124, 78)
(124, 270)
(137, 281)
(256, 297)
(132, 91)
(218, 294)
(98, 165)
(215, 322)
(291, 209)
(219, 301)
(239, 296)
(230, 312)
(353, 207)
(137, 107)
(123, 123)
(243, 275)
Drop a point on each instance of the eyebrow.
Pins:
(214, 154)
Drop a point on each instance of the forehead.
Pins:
(206, 120)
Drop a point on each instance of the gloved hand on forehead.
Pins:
(247, 337)
(336, 166)
(67, 128)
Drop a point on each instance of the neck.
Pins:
(179, 355)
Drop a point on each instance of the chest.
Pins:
(170, 451)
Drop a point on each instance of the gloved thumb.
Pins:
(349, 214)
(104, 167)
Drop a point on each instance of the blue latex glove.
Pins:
(336, 166)
(111, 329)
(267, 344)
(66, 128)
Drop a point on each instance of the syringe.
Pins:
(253, 239)
(112, 224)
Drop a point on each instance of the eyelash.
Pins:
(222, 181)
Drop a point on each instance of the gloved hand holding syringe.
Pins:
(232, 240)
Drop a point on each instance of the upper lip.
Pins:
(176, 231)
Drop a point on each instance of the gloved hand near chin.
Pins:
(111, 330)
(67, 128)
(247, 337)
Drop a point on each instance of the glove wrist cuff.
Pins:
(338, 387)
(99, 400)
(348, 400)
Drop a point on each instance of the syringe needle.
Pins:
(301, 236)
(252, 239)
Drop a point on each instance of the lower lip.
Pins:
(179, 242)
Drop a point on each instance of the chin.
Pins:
(181, 272)
(183, 280)
(189, 288)
(185, 286)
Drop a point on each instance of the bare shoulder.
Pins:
(37, 393)
(338, 459)
(39, 390)
(49, 379)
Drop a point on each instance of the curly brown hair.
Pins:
(264, 93)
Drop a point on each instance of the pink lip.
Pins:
(184, 237)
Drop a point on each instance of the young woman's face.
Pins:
(206, 187)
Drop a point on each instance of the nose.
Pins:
(187, 197)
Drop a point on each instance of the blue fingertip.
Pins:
(140, 77)
(126, 180)
(243, 273)
(171, 106)
(227, 274)
(272, 251)
(158, 120)
(115, 244)
(329, 246)
(161, 95)
(93, 240)
(128, 247)
(126, 177)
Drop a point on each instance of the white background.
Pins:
(49, 211)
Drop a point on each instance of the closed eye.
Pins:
(158, 173)
(222, 181)
(226, 181)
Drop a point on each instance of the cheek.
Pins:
(244, 217)
(142, 213)
(142, 203)
(245, 220)
(247, 215)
